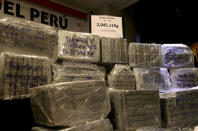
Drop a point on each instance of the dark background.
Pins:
(166, 21)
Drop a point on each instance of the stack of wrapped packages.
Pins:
(151, 64)
(179, 105)
(77, 99)
(131, 109)
(25, 51)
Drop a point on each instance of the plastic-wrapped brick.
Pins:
(27, 37)
(179, 108)
(70, 103)
(76, 46)
(152, 78)
(18, 73)
(114, 50)
(142, 55)
(184, 77)
(98, 125)
(177, 56)
(77, 71)
(132, 109)
(121, 77)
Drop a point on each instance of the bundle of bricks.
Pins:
(26, 48)
(69, 104)
(135, 109)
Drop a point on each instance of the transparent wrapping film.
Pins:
(135, 109)
(166, 129)
(142, 55)
(77, 46)
(184, 77)
(70, 103)
(152, 78)
(98, 125)
(114, 50)
(76, 71)
(179, 108)
(18, 73)
(27, 37)
(177, 56)
(121, 77)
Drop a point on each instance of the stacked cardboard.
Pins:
(26, 37)
(179, 108)
(18, 73)
(142, 55)
(76, 71)
(135, 109)
(75, 46)
(70, 103)
(98, 125)
(114, 50)
(121, 77)
(152, 78)
(184, 77)
(177, 56)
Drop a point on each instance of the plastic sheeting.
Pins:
(18, 73)
(135, 109)
(152, 78)
(27, 37)
(177, 56)
(70, 103)
(76, 46)
(114, 50)
(77, 71)
(166, 129)
(121, 77)
(184, 77)
(179, 108)
(143, 55)
(98, 125)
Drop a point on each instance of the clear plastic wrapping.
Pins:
(184, 77)
(121, 77)
(142, 55)
(77, 71)
(18, 73)
(70, 103)
(152, 78)
(179, 108)
(114, 50)
(76, 46)
(177, 56)
(132, 109)
(27, 37)
(98, 125)
(166, 129)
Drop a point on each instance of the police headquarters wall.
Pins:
(29, 11)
